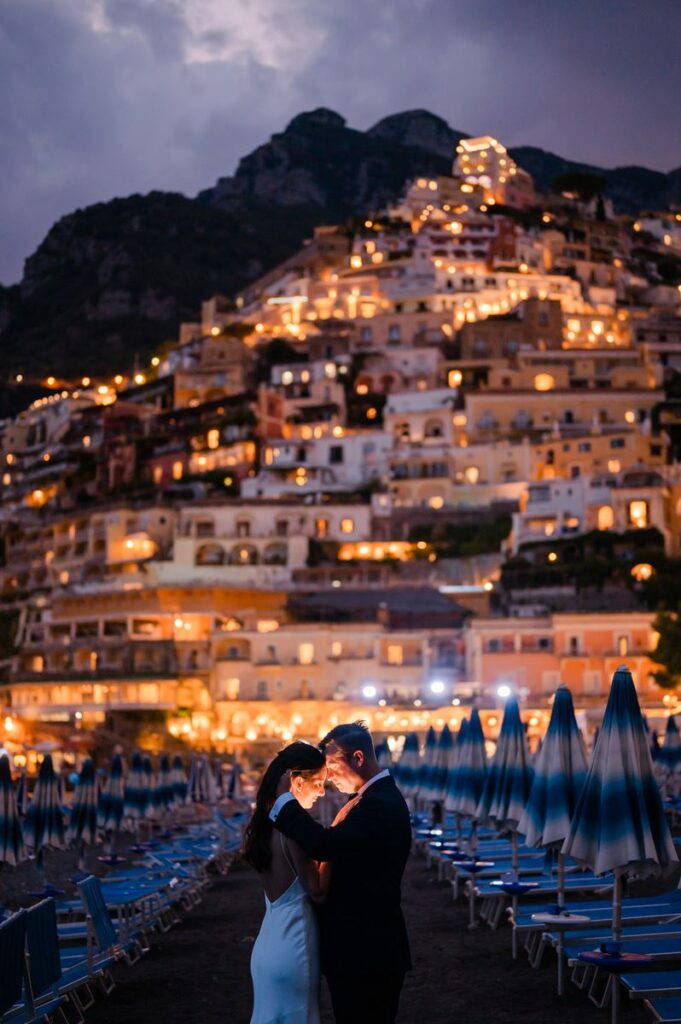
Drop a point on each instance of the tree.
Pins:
(667, 653)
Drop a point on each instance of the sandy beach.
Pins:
(199, 972)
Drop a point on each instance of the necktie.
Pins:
(345, 810)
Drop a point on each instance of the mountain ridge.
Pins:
(112, 281)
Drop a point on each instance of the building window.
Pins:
(573, 645)
(321, 528)
(243, 528)
(638, 513)
(178, 470)
(347, 525)
(471, 474)
(261, 692)
(282, 527)
(365, 334)
(336, 649)
(395, 654)
(305, 654)
(394, 333)
(606, 517)
(622, 646)
(213, 438)
(336, 453)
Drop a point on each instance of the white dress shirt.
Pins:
(282, 800)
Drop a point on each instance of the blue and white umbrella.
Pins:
(233, 786)
(671, 757)
(439, 773)
(179, 781)
(163, 798)
(509, 780)
(454, 761)
(559, 774)
(202, 785)
(508, 785)
(619, 823)
(12, 849)
(427, 762)
(383, 755)
(471, 769)
(44, 825)
(22, 796)
(136, 792)
(407, 768)
(111, 798)
(82, 826)
(149, 787)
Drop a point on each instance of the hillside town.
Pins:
(431, 460)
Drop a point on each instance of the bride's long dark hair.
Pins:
(298, 758)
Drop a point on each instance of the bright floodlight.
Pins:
(369, 691)
(504, 691)
(437, 687)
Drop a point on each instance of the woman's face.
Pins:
(308, 789)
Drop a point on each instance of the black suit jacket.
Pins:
(362, 929)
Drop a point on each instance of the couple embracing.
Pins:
(332, 895)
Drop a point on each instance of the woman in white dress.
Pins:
(285, 959)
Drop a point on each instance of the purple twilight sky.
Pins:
(102, 98)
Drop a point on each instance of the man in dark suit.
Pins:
(364, 945)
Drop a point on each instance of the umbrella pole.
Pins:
(514, 901)
(472, 922)
(561, 934)
(616, 936)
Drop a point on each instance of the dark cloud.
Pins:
(108, 97)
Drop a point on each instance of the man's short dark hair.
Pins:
(350, 736)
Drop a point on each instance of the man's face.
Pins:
(342, 769)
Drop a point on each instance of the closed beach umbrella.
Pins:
(427, 762)
(559, 775)
(671, 757)
(509, 779)
(22, 797)
(162, 796)
(83, 821)
(383, 755)
(149, 787)
(135, 794)
(111, 798)
(234, 789)
(619, 823)
(12, 849)
(179, 781)
(407, 767)
(508, 784)
(44, 826)
(471, 769)
(455, 761)
(441, 763)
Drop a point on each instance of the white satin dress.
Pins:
(285, 961)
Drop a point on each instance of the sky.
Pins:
(104, 98)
